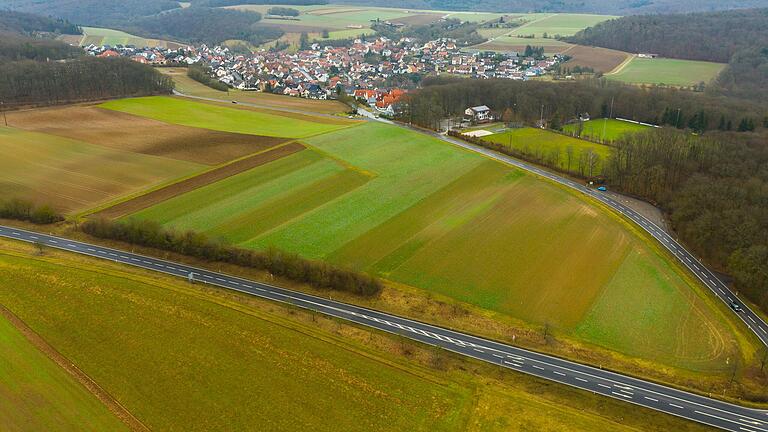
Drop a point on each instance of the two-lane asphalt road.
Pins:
(654, 396)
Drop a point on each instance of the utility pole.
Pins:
(541, 120)
(2, 108)
(677, 122)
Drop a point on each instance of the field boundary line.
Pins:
(622, 65)
(81, 377)
(212, 172)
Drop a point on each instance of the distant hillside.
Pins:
(737, 37)
(715, 36)
(608, 7)
(25, 23)
(17, 42)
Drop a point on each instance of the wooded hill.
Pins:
(737, 37)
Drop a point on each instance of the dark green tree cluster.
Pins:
(29, 24)
(23, 210)
(465, 33)
(201, 25)
(82, 79)
(15, 47)
(202, 74)
(279, 263)
(737, 37)
(715, 188)
(440, 98)
(534, 51)
(283, 11)
(105, 13)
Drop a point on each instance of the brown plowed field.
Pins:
(157, 196)
(599, 59)
(141, 135)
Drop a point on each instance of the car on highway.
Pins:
(602, 188)
(735, 306)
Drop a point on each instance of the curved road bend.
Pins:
(753, 321)
(650, 395)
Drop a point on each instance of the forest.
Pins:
(221, 3)
(28, 82)
(30, 24)
(736, 37)
(16, 47)
(103, 13)
(559, 102)
(715, 191)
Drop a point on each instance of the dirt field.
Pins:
(162, 194)
(141, 135)
(599, 59)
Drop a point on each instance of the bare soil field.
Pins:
(127, 132)
(600, 59)
(159, 195)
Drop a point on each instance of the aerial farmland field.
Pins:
(36, 394)
(544, 144)
(178, 352)
(605, 129)
(105, 36)
(74, 175)
(665, 71)
(559, 24)
(417, 220)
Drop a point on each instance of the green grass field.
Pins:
(544, 145)
(36, 394)
(105, 36)
(559, 24)
(73, 175)
(672, 72)
(605, 129)
(172, 354)
(222, 118)
(419, 219)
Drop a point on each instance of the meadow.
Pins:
(36, 394)
(419, 220)
(105, 36)
(223, 118)
(604, 129)
(179, 352)
(559, 24)
(73, 175)
(672, 72)
(543, 144)
(188, 86)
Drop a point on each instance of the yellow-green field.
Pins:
(73, 175)
(604, 130)
(567, 153)
(412, 209)
(663, 71)
(36, 394)
(172, 354)
(105, 36)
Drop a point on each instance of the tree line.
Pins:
(465, 33)
(16, 47)
(19, 209)
(559, 102)
(737, 37)
(82, 79)
(30, 24)
(715, 190)
(202, 74)
(279, 263)
(283, 11)
(221, 3)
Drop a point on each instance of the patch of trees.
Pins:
(465, 33)
(283, 11)
(94, 12)
(202, 74)
(715, 189)
(199, 25)
(87, 78)
(737, 37)
(23, 210)
(440, 98)
(221, 3)
(16, 47)
(291, 266)
(29, 24)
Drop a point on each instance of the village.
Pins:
(376, 71)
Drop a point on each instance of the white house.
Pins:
(478, 114)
